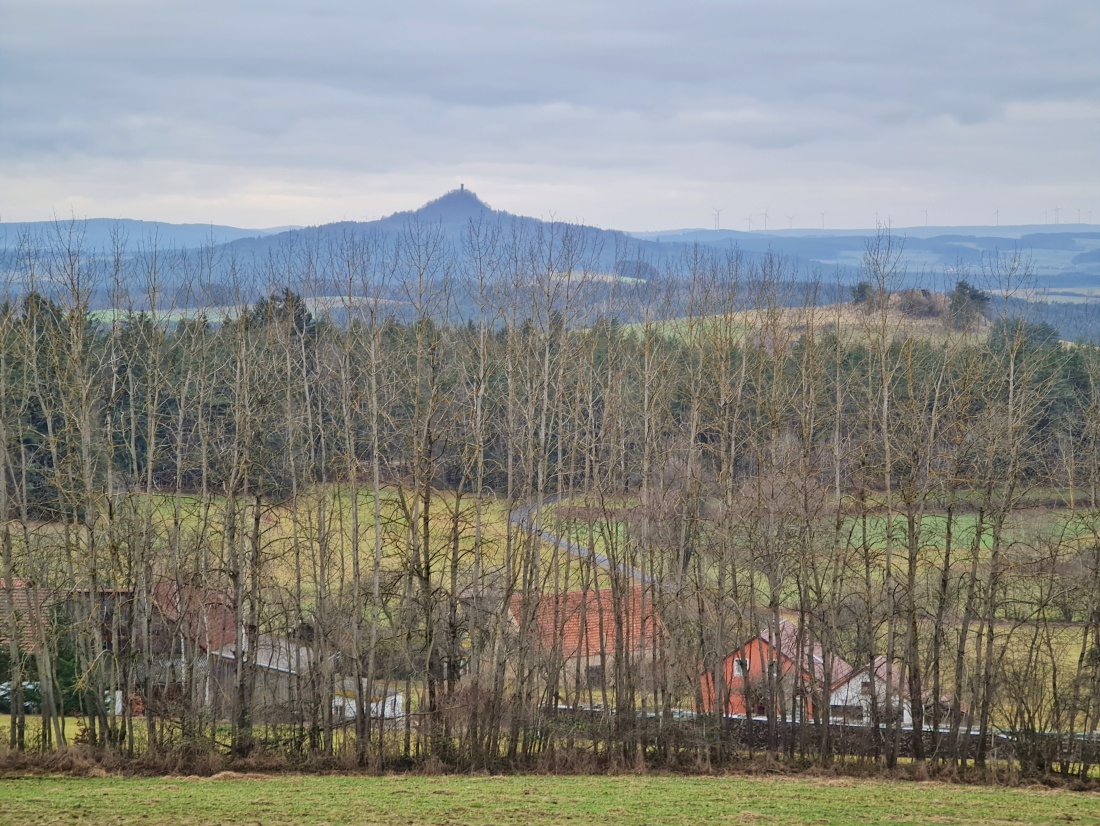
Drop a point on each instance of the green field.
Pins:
(608, 801)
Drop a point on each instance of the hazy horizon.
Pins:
(927, 230)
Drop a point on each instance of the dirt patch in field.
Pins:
(231, 775)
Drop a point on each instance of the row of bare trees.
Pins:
(251, 526)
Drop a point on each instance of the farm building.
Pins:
(35, 614)
(804, 673)
(586, 630)
(196, 634)
(24, 609)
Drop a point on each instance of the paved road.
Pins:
(522, 516)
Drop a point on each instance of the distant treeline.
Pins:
(493, 509)
(1075, 321)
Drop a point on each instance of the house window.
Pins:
(847, 713)
(740, 668)
(595, 676)
(865, 688)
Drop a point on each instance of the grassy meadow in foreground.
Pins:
(609, 801)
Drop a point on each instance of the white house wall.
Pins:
(851, 694)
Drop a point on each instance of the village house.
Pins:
(806, 675)
(34, 612)
(194, 637)
(196, 633)
(856, 698)
(585, 631)
(23, 609)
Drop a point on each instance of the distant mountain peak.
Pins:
(458, 204)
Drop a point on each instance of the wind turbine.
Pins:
(1057, 211)
(823, 220)
(749, 219)
(765, 214)
(997, 216)
(717, 212)
(790, 222)
(926, 217)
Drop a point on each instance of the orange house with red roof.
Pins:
(788, 659)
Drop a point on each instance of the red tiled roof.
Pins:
(27, 603)
(204, 615)
(811, 660)
(583, 622)
(895, 674)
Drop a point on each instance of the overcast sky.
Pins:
(622, 113)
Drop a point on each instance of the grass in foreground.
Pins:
(607, 801)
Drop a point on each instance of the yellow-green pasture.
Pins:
(852, 323)
(311, 539)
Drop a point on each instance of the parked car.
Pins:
(32, 698)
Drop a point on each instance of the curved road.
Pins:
(522, 517)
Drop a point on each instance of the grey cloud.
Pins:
(722, 91)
